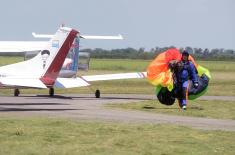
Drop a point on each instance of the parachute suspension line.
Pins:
(179, 104)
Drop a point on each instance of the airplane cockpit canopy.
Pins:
(84, 60)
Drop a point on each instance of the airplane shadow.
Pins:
(126, 98)
(85, 97)
(48, 97)
(25, 104)
(31, 109)
(59, 97)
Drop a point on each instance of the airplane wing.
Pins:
(83, 81)
(21, 46)
(70, 83)
(22, 82)
(138, 75)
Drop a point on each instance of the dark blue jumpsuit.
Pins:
(188, 72)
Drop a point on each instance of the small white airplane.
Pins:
(44, 70)
(31, 48)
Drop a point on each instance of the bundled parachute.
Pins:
(160, 75)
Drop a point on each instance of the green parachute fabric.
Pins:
(160, 75)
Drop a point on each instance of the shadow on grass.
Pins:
(151, 108)
(169, 107)
(196, 108)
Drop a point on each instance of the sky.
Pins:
(143, 23)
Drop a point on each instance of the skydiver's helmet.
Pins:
(185, 55)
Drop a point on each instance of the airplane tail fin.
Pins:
(47, 64)
(59, 46)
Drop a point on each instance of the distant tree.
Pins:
(131, 53)
(189, 50)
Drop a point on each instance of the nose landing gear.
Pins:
(97, 93)
(51, 92)
(16, 92)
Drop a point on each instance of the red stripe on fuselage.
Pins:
(53, 71)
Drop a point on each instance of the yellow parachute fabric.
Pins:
(201, 70)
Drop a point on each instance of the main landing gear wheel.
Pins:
(97, 93)
(51, 92)
(16, 92)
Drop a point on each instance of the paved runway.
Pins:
(86, 107)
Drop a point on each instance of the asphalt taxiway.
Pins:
(87, 107)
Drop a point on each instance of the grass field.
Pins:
(222, 82)
(196, 108)
(60, 137)
(132, 65)
(5, 60)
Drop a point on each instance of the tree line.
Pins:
(141, 53)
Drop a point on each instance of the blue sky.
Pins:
(143, 23)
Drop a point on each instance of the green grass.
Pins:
(60, 137)
(141, 65)
(222, 82)
(218, 66)
(119, 64)
(196, 108)
(5, 60)
(132, 65)
(55, 136)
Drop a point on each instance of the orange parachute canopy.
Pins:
(158, 72)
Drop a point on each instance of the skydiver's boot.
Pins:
(184, 105)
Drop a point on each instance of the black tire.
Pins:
(51, 92)
(97, 93)
(16, 92)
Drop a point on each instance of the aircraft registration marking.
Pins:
(55, 43)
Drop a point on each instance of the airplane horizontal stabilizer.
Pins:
(21, 46)
(42, 35)
(70, 83)
(22, 82)
(115, 76)
(118, 37)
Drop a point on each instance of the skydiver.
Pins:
(182, 73)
